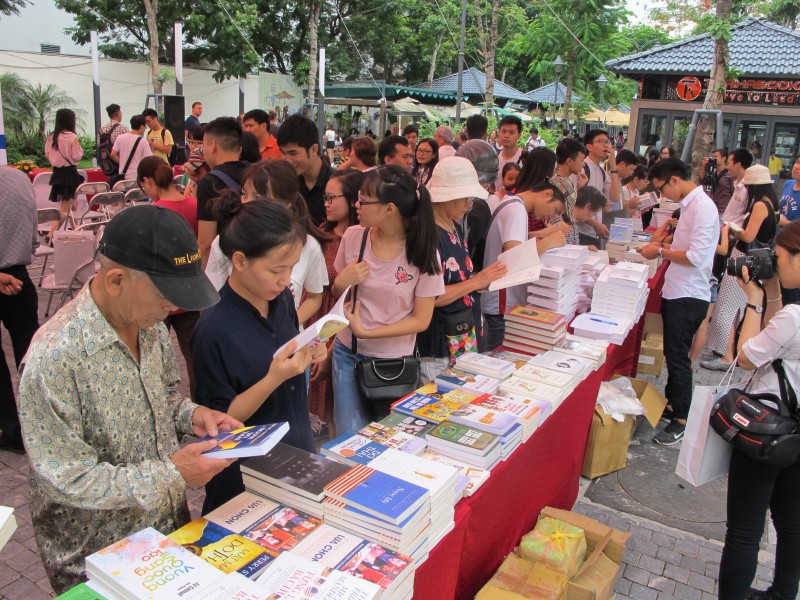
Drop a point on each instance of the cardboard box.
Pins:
(606, 546)
(651, 355)
(607, 446)
(653, 324)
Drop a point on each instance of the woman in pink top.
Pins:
(155, 178)
(398, 279)
(63, 151)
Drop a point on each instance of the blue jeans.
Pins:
(494, 330)
(349, 413)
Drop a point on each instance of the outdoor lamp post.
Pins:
(559, 66)
(601, 83)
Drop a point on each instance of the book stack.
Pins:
(575, 367)
(568, 256)
(296, 578)
(504, 426)
(407, 424)
(663, 213)
(472, 446)
(621, 291)
(527, 412)
(292, 477)
(469, 479)
(583, 347)
(274, 527)
(556, 290)
(590, 271)
(433, 402)
(599, 327)
(439, 479)
(351, 554)
(129, 569)
(383, 508)
(519, 387)
(495, 366)
(468, 382)
(369, 442)
(516, 358)
(531, 330)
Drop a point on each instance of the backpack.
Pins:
(589, 173)
(109, 166)
(479, 220)
(177, 156)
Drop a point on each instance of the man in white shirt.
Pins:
(686, 293)
(738, 162)
(599, 149)
(534, 141)
(127, 152)
(444, 137)
(510, 130)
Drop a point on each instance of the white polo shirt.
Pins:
(696, 234)
(736, 211)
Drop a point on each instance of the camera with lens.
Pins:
(761, 264)
(710, 181)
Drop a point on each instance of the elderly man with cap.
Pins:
(456, 323)
(99, 406)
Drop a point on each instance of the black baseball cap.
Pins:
(159, 242)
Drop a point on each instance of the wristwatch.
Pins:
(758, 309)
(612, 171)
(661, 253)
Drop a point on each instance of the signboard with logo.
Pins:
(780, 92)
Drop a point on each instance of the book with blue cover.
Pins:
(353, 449)
(378, 494)
(484, 418)
(256, 440)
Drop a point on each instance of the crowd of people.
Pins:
(266, 233)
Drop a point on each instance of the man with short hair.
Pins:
(598, 147)
(114, 126)
(627, 161)
(411, 133)
(130, 148)
(686, 293)
(509, 132)
(19, 305)
(298, 139)
(273, 122)
(193, 120)
(444, 137)
(362, 153)
(99, 404)
(222, 144)
(588, 202)
(395, 150)
(723, 182)
(738, 162)
(477, 126)
(534, 141)
(256, 122)
(570, 177)
(159, 138)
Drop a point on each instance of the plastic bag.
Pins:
(618, 398)
(556, 543)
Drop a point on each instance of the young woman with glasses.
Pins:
(426, 155)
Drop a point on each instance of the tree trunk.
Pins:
(313, 59)
(568, 91)
(433, 60)
(715, 95)
(151, 13)
(492, 50)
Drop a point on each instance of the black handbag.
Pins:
(382, 381)
(762, 433)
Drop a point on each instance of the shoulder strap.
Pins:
(130, 156)
(497, 210)
(163, 133)
(788, 395)
(229, 181)
(355, 290)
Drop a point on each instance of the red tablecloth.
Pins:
(544, 471)
(92, 175)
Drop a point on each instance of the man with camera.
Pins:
(686, 292)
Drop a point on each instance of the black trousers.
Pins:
(752, 488)
(20, 316)
(682, 318)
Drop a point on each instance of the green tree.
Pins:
(11, 7)
(782, 12)
(15, 105)
(693, 17)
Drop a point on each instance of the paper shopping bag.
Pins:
(704, 455)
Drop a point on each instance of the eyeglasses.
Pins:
(660, 188)
(421, 151)
(605, 142)
(363, 202)
(329, 198)
(193, 142)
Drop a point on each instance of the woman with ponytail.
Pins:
(398, 279)
(235, 341)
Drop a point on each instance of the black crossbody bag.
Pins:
(382, 381)
(762, 433)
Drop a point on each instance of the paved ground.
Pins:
(661, 562)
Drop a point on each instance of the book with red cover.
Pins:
(541, 319)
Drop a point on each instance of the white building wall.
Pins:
(39, 23)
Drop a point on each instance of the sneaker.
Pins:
(672, 433)
(754, 594)
(667, 415)
(715, 364)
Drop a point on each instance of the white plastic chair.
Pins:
(125, 185)
(41, 190)
(136, 196)
(110, 204)
(82, 202)
(79, 278)
(46, 217)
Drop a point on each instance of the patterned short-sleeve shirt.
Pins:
(99, 429)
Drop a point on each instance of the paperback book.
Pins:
(353, 449)
(407, 424)
(543, 375)
(323, 329)
(468, 382)
(393, 437)
(483, 418)
(256, 440)
(493, 365)
(465, 439)
(540, 319)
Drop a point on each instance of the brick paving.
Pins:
(660, 563)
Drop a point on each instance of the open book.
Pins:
(322, 330)
(523, 265)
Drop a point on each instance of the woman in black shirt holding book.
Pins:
(234, 341)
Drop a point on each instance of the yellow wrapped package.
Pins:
(556, 543)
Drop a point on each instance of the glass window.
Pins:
(750, 135)
(652, 132)
(680, 129)
(784, 150)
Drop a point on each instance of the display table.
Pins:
(544, 471)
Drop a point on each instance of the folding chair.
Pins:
(82, 206)
(41, 190)
(136, 196)
(46, 216)
(74, 258)
(110, 204)
(125, 185)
